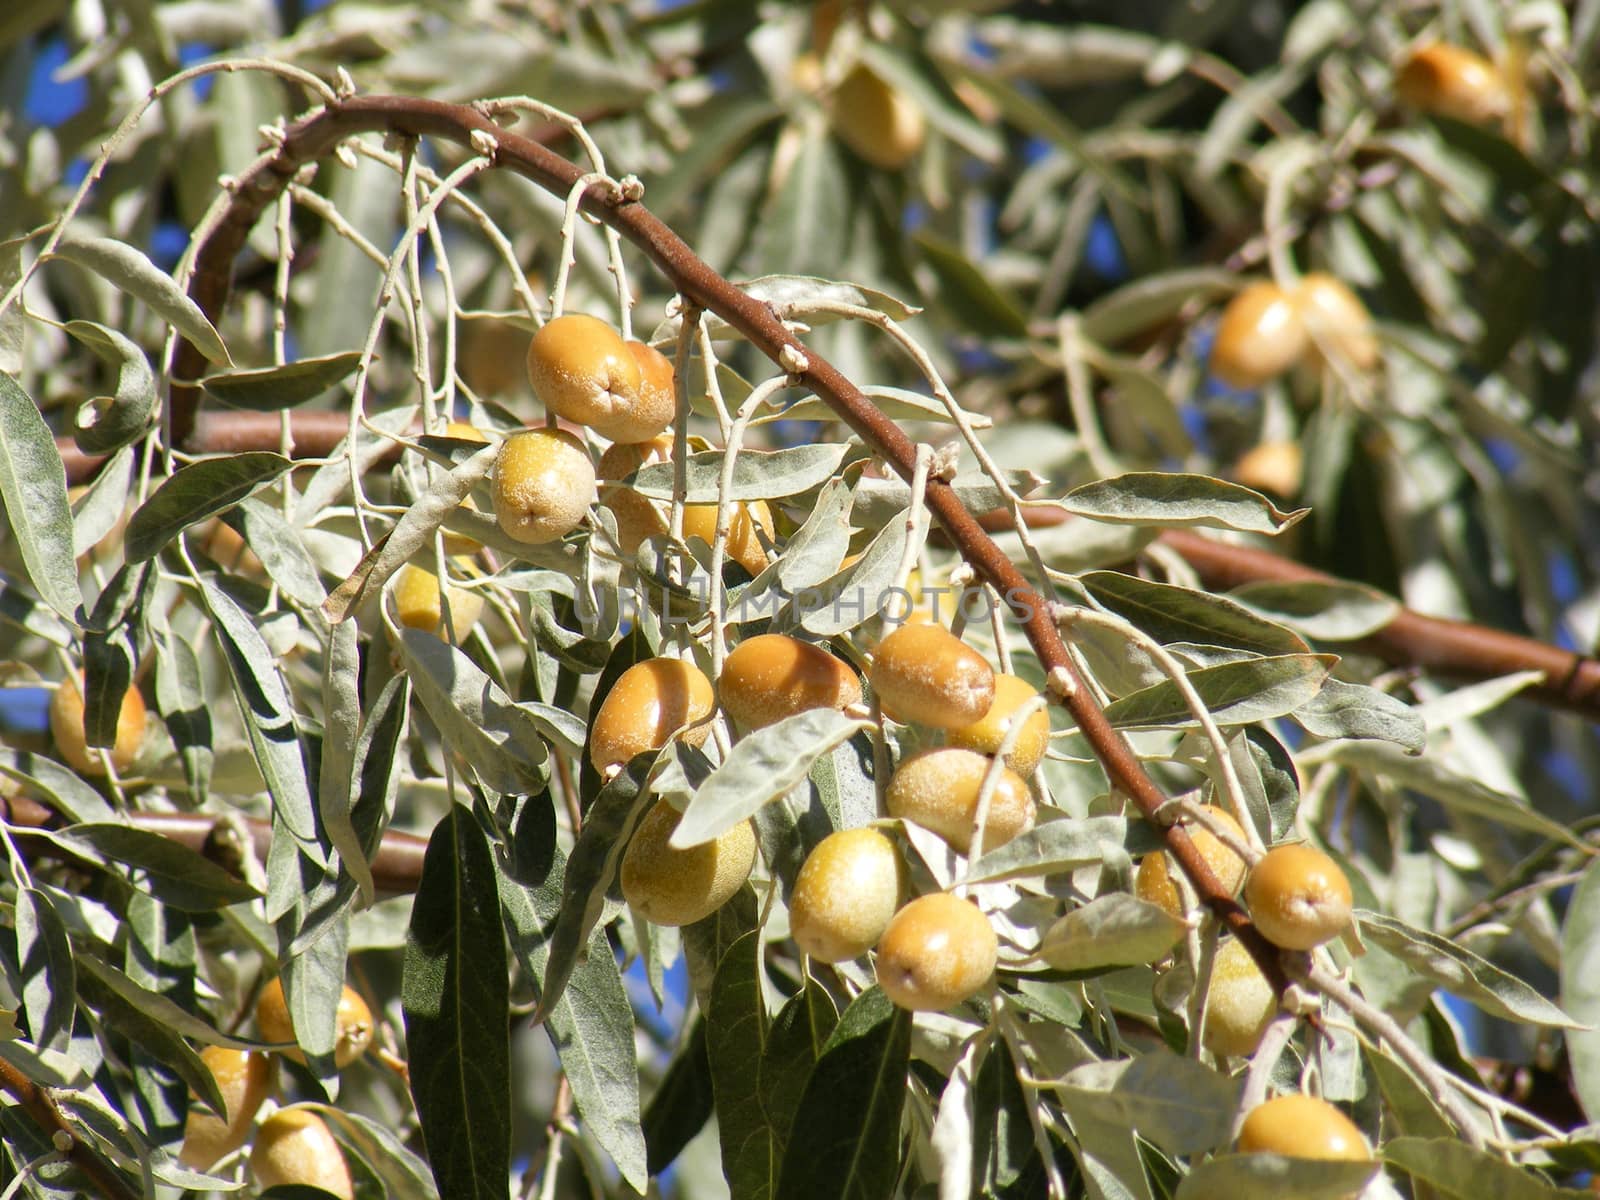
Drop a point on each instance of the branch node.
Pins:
(945, 461)
(485, 143)
(346, 156)
(62, 1141)
(793, 360)
(632, 189)
(1061, 683)
(343, 86)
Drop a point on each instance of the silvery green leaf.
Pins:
(1148, 301)
(1330, 610)
(33, 485)
(757, 474)
(98, 510)
(863, 590)
(56, 786)
(279, 547)
(1178, 501)
(1115, 930)
(1449, 1166)
(14, 320)
(44, 962)
(1050, 847)
(1264, 1176)
(1176, 1102)
(897, 404)
(1472, 701)
(1580, 984)
(1353, 710)
(272, 389)
(193, 493)
(811, 555)
(125, 416)
(1170, 613)
(1240, 693)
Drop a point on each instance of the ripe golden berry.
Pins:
(743, 546)
(1154, 881)
(847, 891)
(637, 517)
(416, 602)
(938, 789)
(460, 543)
(1273, 467)
(1335, 319)
(1240, 1003)
(877, 121)
(985, 734)
(1302, 1127)
(937, 951)
(583, 371)
(294, 1145)
(352, 1023)
(1259, 337)
(650, 702)
(668, 886)
(773, 676)
(1298, 897)
(66, 727)
(490, 358)
(1453, 81)
(244, 1077)
(543, 485)
(923, 672)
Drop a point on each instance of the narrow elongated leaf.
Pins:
(33, 485)
(456, 997)
(1451, 1167)
(794, 1043)
(757, 474)
(1170, 614)
(341, 720)
(897, 404)
(275, 542)
(181, 701)
(1115, 930)
(1179, 501)
(736, 1038)
(846, 1135)
(1353, 710)
(1051, 847)
(682, 1104)
(14, 320)
(1175, 1102)
(983, 308)
(812, 555)
(198, 491)
(55, 785)
(863, 590)
(1237, 693)
(1580, 986)
(49, 979)
(1147, 301)
(170, 871)
(122, 418)
(400, 1170)
(1331, 610)
(271, 389)
(1260, 1176)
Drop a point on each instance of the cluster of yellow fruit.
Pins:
(1266, 330)
(293, 1145)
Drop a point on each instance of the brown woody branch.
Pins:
(41, 1108)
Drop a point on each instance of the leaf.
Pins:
(1178, 501)
(194, 493)
(55, 785)
(131, 271)
(272, 389)
(1331, 610)
(897, 404)
(400, 1171)
(1050, 847)
(683, 1102)
(757, 474)
(1354, 710)
(1580, 985)
(736, 1038)
(280, 549)
(170, 871)
(1236, 693)
(1136, 306)
(341, 719)
(33, 485)
(456, 999)
(845, 1140)
(803, 297)
(761, 767)
(794, 1043)
(126, 416)
(1175, 1102)
(1461, 972)
(804, 226)
(964, 287)
(877, 502)
(1264, 1176)
(14, 320)
(810, 556)
(48, 977)
(1453, 1168)
(1114, 930)
(1170, 614)
(862, 590)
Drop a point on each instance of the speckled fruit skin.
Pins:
(637, 517)
(1298, 897)
(923, 672)
(667, 886)
(649, 702)
(938, 789)
(845, 894)
(1335, 318)
(66, 727)
(744, 545)
(1302, 1127)
(583, 371)
(1259, 337)
(1453, 81)
(294, 1145)
(773, 676)
(1272, 467)
(352, 1023)
(875, 120)
(543, 485)
(985, 734)
(937, 951)
(459, 543)
(1154, 881)
(416, 602)
(244, 1077)
(1240, 1003)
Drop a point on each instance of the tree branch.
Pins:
(37, 1103)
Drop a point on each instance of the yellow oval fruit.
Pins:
(985, 734)
(416, 602)
(1453, 81)
(543, 485)
(845, 894)
(66, 727)
(244, 1077)
(583, 371)
(938, 789)
(1154, 881)
(937, 951)
(1335, 319)
(459, 543)
(1298, 897)
(1240, 1003)
(490, 358)
(744, 545)
(294, 1145)
(650, 702)
(353, 1027)
(1259, 337)
(668, 886)
(877, 121)
(773, 676)
(1302, 1127)
(637, 517)
(923, 672)
(1273, 467)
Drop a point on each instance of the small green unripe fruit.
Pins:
(416, 602)
(847, 891)
(1240, 1003)
(650, 702)
(1298, 897)
(985, 734)
(938, 789)
(1259, 337)
(543, 485)
(668, 886)
(294, 1145)
(1335, 318)
(877, 121)
(773, 676)
(1453, 81)
(1302, 1127)
(66, 727)
(583, 371)
(352, 1023)
(923, 672)
(937, 951)
(743, 545)
(244, 1077)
